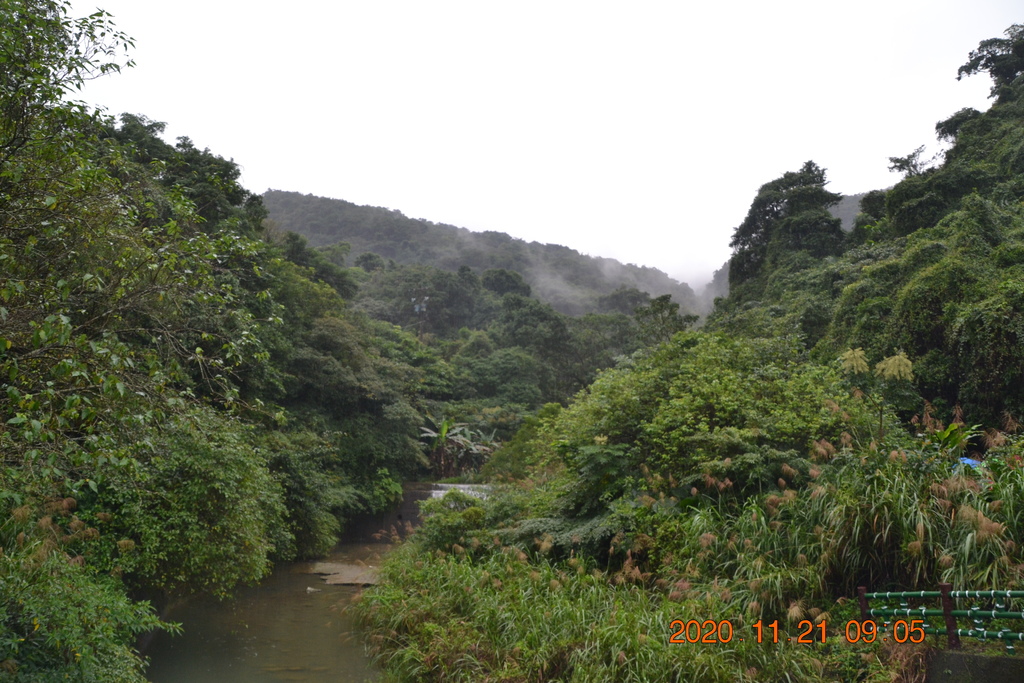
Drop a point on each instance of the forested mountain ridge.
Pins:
(932, 266)
(570, 281)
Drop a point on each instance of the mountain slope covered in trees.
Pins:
(932, 267)
(571, 282)
(848, 416)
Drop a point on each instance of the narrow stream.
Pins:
(291, 627)
(277, 631)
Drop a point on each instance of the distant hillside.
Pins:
(847, 209)
(565, 278)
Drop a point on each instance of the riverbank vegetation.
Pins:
(183, 400)
(847, 416)
(189, 394)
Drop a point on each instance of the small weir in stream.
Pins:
(294, 626)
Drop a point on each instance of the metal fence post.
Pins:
(947, 614)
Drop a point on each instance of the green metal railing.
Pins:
(999, 603)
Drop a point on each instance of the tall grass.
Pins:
(467, 605)
(510, 617)
(887, 521)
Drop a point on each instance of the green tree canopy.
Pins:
(1002, 58)
(789, 213)
(502, 281)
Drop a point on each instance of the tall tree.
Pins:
(660, 320)
(789, 213)
(1002, 58)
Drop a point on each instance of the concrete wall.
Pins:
(362, 528)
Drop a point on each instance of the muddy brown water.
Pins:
(291, 627)
(277, 631)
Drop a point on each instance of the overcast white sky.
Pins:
(637, 130)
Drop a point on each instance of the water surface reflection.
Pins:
(277, 631)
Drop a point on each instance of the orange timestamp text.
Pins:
(855, 631)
